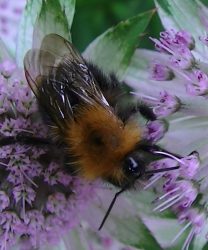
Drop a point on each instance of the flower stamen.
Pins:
(181, 232)
(154, 179)
(169, 155)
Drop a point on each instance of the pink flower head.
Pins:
(182, 58)
(198, 84)
(160, 72)
(7, 67)
(189, 165)
(155, 130)
(182, 37)
(181, 194)
(167, 104)
(171, 40)
(204, 39)
(37, 196)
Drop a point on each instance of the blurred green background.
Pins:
(93, 17)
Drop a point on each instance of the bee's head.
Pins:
(133, 165)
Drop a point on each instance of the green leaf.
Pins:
(164, 230)
(185, 15)
(133, 232)
(68, 7)
(113, 50)
(52, 19)
(25, 35)
(40, 18)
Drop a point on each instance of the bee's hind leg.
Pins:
(125, 112)
(146, 112)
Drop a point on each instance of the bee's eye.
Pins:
(131, 166)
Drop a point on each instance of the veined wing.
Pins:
(60, 78)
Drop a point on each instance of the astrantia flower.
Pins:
(161, 72)
(39, 201)
(183, 104)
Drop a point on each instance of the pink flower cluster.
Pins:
(177, 189)
(39, 201)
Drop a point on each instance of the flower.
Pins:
(155, 130)
(160, 72)
(39, 201)
(180, 190)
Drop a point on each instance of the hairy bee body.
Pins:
(87, 121)
(99, 140)
(85, 114)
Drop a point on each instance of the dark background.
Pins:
(93, 17)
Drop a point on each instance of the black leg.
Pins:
(146, 112)
(125, 112)
(28, 140)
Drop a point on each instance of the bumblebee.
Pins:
(83, 110)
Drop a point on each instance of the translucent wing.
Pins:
(60, 78)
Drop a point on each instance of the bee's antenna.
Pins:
(126, 187)
(160, 170)
(111, 205)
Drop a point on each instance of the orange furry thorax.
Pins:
(99, 141)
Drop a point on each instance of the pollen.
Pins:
(99, 141)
